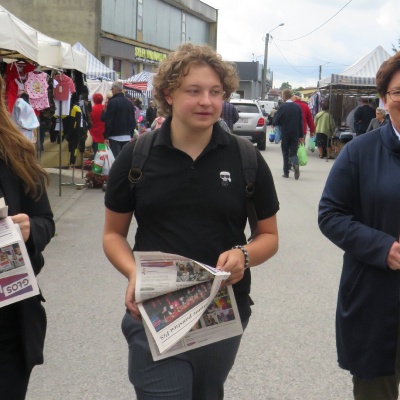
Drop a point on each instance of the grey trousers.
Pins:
(198, 374)
(382, 388)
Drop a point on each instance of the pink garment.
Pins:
(64, 87)
(36, 86)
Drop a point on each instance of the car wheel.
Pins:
(261, 145)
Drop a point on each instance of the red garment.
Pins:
(65, 87)
(307, 117)
(97, 129)
(19, 71)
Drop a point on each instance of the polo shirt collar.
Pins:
(219, 136)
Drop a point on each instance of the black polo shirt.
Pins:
(196, 209)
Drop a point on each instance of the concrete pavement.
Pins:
(288, 350)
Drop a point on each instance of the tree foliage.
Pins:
(285, 85)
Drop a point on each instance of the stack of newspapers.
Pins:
(182, 303)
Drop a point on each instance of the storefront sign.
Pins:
(148, 56)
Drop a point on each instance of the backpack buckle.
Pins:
(134, 175)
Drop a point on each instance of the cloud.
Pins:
(350, 35)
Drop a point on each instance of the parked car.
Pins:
(251, 124)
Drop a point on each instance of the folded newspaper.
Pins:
(181, 303)
(17, 279)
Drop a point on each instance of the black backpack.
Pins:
(249, 166)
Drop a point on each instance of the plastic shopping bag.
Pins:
(98, 162)
(272, 136)
(108, 161)
(311, 144)
(302, 155)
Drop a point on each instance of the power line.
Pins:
(301, 37)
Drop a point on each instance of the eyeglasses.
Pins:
(394, 94)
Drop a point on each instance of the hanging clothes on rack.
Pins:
(36, 86)
(63, 88)
(16, 74)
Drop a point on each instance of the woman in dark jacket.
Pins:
(23, 187)
(359, 212)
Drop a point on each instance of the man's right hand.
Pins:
(107, 142)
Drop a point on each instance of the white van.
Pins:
(267, 106)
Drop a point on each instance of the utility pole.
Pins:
(264, 77)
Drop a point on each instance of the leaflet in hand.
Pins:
(17, 279)
(181, 303)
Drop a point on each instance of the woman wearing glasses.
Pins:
(359, 212)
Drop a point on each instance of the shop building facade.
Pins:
(128, 36)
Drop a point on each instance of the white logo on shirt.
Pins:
(225, 178)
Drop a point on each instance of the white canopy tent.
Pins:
(19, 40)
(57, 54)
(358, 80)
(360, 75)
(94, 68)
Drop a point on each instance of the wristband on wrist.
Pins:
(246, 255)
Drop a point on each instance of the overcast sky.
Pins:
(354, 32)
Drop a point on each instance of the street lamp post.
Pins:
(264, 77)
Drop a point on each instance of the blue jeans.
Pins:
(289, 152)
(198, 374)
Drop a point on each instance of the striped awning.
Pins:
(140, 80)
(369, 64)
(142, 86)
(96, 69)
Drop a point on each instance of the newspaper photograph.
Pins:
(181, 303)
(17, 279)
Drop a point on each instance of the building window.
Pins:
(183, 27)
(140, 15)
(117, 66)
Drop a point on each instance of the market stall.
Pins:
(358, 80)
(344, 91)
(25, 54)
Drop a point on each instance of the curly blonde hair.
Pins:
(19, 154)
(177, 65)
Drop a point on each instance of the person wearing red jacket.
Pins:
(307, 116)
(97, 129)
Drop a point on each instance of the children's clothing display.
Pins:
(36, 86)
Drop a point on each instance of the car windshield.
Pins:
(247, 108)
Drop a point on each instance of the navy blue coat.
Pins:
(31, 314)
(290, 118)
(360, 212)
(120, 117)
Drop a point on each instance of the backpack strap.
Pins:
(140, 153)
(249, 166)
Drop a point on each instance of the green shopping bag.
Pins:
(302, 155)
(311, 144)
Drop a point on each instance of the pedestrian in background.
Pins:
(359, 212)
(229, 114)
(98, 126)
(151, 114)
(306, 114)
(289, 118)
(325, 128)
(23, 186)
(363, 116)
(189, 87)
(379, 120)
(119, 118)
